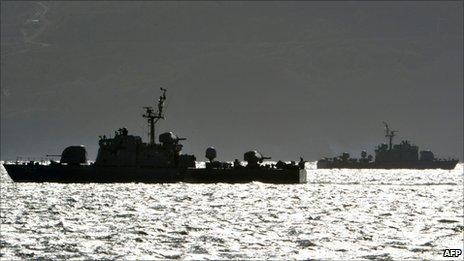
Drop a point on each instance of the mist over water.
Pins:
(339, 214)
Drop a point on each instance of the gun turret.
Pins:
(169, 138)
(254, 157)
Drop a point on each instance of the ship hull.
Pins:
(99, 174)
(389, 165)
(89, 174)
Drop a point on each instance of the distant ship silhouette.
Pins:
(389, 156)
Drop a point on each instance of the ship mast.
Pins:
(153, 117)
(389, 134)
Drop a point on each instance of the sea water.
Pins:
(338, 214)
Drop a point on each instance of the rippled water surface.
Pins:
(339, 214)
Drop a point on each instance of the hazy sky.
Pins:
(287, 78)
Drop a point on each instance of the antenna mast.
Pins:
(153, 117)
(389, 134)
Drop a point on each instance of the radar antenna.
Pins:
(389, 134)
(153, 117)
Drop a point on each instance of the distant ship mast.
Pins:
(153, 117)
(389, 134)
